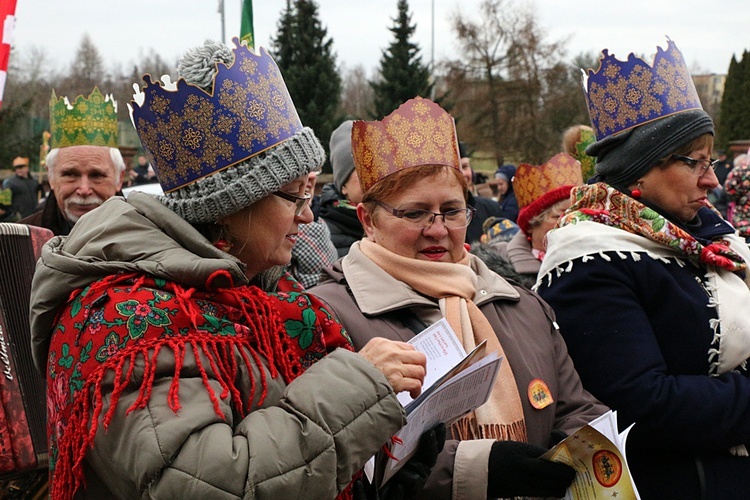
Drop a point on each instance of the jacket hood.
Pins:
(329, 194)
(139, 235)
(341, 215)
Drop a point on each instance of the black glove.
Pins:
(515, 469)
(555, 437)
(411, 478)
(363, 490)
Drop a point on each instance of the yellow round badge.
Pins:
(539, 394)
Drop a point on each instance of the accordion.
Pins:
(23, 401)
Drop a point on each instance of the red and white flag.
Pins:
(7, 24)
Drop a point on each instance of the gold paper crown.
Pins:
(88, 121)
(531, 182)
(419, 132)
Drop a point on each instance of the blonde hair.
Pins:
(571, 137)
(740, 160)
(558, 207)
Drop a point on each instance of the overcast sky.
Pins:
(708, 33)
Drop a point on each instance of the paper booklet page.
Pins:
(443, 351)
(597, 452)
(455, 384)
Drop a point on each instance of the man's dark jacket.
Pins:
(51, 217)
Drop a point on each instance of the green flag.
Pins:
(246, 28)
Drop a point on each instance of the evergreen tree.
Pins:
(17, 135)
(402, 74)
(735, 103)
(305, 57)
(86, 72)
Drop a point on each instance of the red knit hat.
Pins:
(539, 187)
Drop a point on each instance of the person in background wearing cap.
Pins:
(484, 207)
(169, 375)
(650, 284)
(543, 193)
(413, 266)
(25, 188)
(84, 166)
(502, 185)
(339, 199)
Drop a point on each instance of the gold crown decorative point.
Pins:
(531, 182)
(419, 132)
(622, 95)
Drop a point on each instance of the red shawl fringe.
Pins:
(268, 342)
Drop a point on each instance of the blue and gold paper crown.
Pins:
(90, 121)
(625, 94)
(189, 133)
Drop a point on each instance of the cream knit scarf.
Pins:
(454, 285)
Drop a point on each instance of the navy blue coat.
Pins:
(638, 333)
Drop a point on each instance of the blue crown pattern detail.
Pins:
(190, 134)
(623, 95)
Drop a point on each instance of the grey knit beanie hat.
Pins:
(230, 190)
(342, 160)
(622, 158)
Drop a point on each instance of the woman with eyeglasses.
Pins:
(413, 269)
(180, 362)
(650, 284)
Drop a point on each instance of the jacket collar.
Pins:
(520, 254)
(53, 218)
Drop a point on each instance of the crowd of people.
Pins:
(240, 337)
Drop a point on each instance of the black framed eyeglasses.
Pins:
(699, 167)
(452, 219)
(300, 202)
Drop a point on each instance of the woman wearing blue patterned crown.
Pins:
(171, 376)
(650, 284)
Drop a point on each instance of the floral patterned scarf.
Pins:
(606, 205)
(111, 323)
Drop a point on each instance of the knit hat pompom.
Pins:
(198, 65)
(235, 188)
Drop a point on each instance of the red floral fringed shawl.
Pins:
(113, 322)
